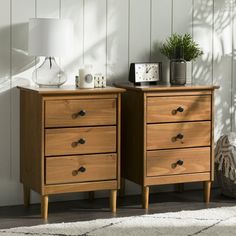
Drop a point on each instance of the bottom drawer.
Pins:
(178, 161)
(83, 168)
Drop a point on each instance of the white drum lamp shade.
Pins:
(49, 37)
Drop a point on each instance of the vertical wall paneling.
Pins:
(73, 10)
(182, 23)
(47, 8)
(139, 43)
(233, 97)
(95, 35)
(160, 29)
(21, 67)
(109, 34)
(222, 64)
(117, 39)
(203, 35)
(5, 126)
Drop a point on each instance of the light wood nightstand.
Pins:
(167, 135)
(69, 141)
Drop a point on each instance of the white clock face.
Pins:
(146, 72)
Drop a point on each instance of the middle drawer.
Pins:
(178, 135)
(66, 141)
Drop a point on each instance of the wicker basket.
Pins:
(227, 185)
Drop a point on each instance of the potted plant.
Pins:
(179, 49)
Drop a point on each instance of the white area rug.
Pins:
(215, 221)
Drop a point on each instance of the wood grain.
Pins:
(65, 169)
(65, 113)
(149, 131)
(113, 197)
(162, 136)
(145, 196)
(80, 187)
(165, 87)
(71, 90)
(164, 109)
(164, 162)
(97, 140)
(207, 191)
(44, 207)
(31, 136)
(132, 136)
(100, 129)
(181, 178)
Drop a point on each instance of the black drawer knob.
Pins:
(180, 162)
(178, 137)
(80, 141)
(82, 169)
(179, 109)
(78, 114)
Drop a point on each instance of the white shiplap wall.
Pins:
(110, 34)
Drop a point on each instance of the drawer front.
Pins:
(178, 135)
(81, 168)
(88, 112)
(66, 141)
(178, 161)
(179, 108)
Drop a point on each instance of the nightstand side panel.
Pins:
(31, 140)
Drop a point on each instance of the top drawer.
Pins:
(84, 112)
(178, 108)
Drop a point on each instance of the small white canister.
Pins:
(86, 79)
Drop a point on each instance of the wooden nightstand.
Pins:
(69, 141)
(167, 135)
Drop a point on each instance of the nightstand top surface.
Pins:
(67, 89)
(165, 87)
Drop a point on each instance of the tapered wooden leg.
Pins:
(44, 207)
(207, 191)
(122, 187)
(113, 196)
(91, 196)
(26, 196)
(145, 197)
(179, 187)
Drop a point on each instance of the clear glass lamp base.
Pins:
(49, 74)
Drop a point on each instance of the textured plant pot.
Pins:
(188, 72)
(177, 72)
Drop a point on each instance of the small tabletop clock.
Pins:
(145, 73)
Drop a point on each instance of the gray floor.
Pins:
(130, 205)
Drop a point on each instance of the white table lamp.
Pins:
(49, 38)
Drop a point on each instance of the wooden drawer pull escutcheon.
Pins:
(76, 172)
(78, 114)
(179, 109)
(80, 141)
(178, 136)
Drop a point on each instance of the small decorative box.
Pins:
(99, 81)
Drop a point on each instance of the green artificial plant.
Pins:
(191, 49)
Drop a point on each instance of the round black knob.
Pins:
(82, 113)
(180, 109)
(82, 141)
(180, 162)
(180, 136)
(82, 169)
